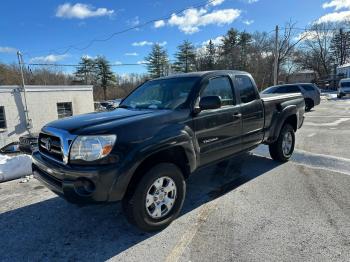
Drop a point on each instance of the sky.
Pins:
(44, 30)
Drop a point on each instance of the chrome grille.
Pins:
(50, 146)
(60, 141)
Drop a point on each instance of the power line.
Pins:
(74, 65)
(91, 42)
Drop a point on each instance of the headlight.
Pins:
(91, 148)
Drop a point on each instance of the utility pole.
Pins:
(342, 51)
(275, 68)
(20, 62)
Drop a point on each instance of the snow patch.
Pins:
(12, 167)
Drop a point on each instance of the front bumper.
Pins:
(343, 92)
(78, 185)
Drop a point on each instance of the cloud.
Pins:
(142, 43)
(159, 23)
(81, 11)
(164, 43)
(131, 54)
(337, 4)
(142, 62)
(89, 57)
(118, 63)
(192, 19)
(216, 2)
(313, 35)
(248, 22)
(335, 17)
(134, 22)
(215, 41)
(251, 1)
(6, 49)
(48, 59)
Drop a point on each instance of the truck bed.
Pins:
(274, 104)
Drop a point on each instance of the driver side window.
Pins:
(219, 86)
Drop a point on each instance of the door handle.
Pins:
(237, 115)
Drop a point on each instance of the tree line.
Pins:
(320, 49)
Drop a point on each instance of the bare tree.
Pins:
(288, 41)
(315, 51)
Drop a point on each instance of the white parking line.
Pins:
(334, 123)
(315, 160)
(311, 135)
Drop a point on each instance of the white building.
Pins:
(305, 76)
(44, 104)
(344, 70)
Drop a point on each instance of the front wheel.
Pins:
(157, 199)
(283, 148)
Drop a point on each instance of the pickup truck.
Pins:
(143, 152)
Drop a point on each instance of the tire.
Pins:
(135, 205)
(309, 104)
(339, 96)
(276, 149)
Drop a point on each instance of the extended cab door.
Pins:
(252, 110)
(218, 131)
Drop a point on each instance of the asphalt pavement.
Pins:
(247, 209)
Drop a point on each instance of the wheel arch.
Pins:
(175, 155)
(288, 116)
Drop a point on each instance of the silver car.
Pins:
(343, 88)
(310, 92)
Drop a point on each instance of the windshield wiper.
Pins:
(123, 106)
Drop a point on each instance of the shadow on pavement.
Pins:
(56, 230)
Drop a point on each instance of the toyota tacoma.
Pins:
(143, 152)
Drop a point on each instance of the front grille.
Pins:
(50, 146)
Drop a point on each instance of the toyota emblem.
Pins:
(48, 144)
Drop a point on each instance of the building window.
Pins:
(2, 118)
(64, 109)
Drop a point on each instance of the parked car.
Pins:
(143, 152)
(311, 93)
(343, 88)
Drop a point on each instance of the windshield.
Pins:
(345, 84)
(161, 94)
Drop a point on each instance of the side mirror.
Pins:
(210, 102)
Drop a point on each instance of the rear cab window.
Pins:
(246, 88)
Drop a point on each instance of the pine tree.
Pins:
(86, 71)
(230, 49)
(210, 55)
(104, 74)
(244, 43)
(157, 61)
(185, 57)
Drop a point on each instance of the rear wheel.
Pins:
(157, 199)
(309, 104)
(339, 96)
(283, 148)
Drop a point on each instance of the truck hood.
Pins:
(104, 120)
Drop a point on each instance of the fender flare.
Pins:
(127, 171)
(280, 120)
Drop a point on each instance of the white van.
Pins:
(344, 87)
